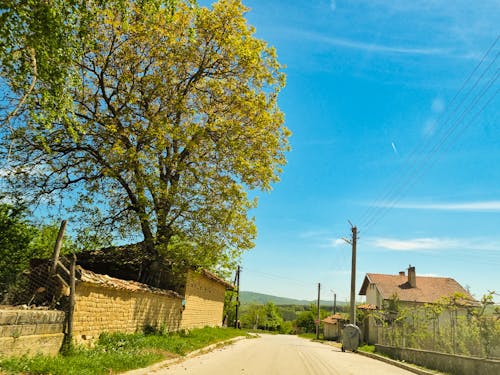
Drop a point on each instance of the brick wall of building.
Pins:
(204, 300)
(102, 309)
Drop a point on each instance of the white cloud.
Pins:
(374, 47)
(437, 105)
(434, 244)
(333, 5)
(414, 244)
(478, 206)
(338, 242)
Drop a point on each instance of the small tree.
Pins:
(15, 236)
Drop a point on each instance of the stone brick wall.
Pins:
(204, 302)
(31, 332)
(101, 309)
(449, 363)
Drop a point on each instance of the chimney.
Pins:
(412, 277)
(401, 273)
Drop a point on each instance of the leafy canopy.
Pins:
(171, 117)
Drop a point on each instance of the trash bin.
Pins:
(351, 337)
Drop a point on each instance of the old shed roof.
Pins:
(333, 319)
(114, 283)
(220, 280)
(428, 290)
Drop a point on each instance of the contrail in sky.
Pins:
(394, 148)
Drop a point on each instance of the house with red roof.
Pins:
(410, 290)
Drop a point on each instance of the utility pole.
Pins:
(352, 242)
(353, 275)
(236, 322)
(317, 322)
(334, 306)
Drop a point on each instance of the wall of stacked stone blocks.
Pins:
(101, 309)
(30, 332)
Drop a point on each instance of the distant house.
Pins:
(410, 290)
(332, 326)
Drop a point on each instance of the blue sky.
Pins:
(381, 138)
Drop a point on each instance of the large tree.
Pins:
(38, 42)
(172, 118)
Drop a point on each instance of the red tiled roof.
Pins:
(114, 283)
(367, 306)
(332, 319)
(428, 289)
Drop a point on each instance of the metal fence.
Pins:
(451, 332)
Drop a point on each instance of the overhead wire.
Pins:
(431, 157)
(396, 188)
(392, 195)
(417, 151)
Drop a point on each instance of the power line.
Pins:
(422, 146)
(393, 194)
(279, 277)
(431, 158)
(408, 185)
(392, 188)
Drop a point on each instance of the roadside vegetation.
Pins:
(451, 325)
(115, 353)
(285, 319)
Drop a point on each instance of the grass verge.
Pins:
(311, 336)
(117, 352)
(367, 348)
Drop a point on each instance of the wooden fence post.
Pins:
(71, 307)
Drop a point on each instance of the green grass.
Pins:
(120, 352)
(311, 336)
(367, 348)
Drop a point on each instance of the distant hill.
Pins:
(247, 298)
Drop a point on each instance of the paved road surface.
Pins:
(280, 355)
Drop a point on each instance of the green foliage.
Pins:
(21, 241)
(170, 117)
(260, 298)
(119, 352)
(289, 313)
(306, 322)
(452, 325)
(44, 240)
(15, 236)
(229, 311)
(367, 348)
(266, 317)
(287, 328)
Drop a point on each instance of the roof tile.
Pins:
(429, 289)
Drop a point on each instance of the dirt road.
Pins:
(280, 355)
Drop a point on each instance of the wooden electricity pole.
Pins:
(353, 276)
(318, 306)
(352, 242)
(236, 322)
(334, 302)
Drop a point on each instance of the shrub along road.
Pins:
(280, 355)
